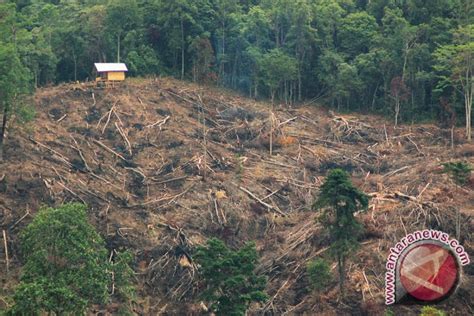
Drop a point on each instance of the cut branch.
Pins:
(109, 149)
(159, 123)
(261, 202)
(7, 260)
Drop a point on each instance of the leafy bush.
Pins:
(431, 311)
(67, 266)
(319, 274)
(229, 278)
(459, 171)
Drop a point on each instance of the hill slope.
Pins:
(163, 165)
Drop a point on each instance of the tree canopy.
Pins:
(347, 53)
(14, 75)
(66, 264)
(230, 282)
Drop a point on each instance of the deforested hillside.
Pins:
(164, 165)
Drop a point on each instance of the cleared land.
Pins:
(163, 165)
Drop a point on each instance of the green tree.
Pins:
(92, 19)
(319, 274)
(328, 18)
(396, 42)
(122, 17)
(229, 277)
(203, 58)
(328, 74)
(255, 30)
(224, 11)
(178, 20)
(455, 68)
(143, 60)
(66, 264)
(277, 68)
(358, 32)
(278, 12)
(73, 34)
(14, 76)
(14, 86)
(339, 200)
(37, 51)
(370, 76)
(301, 37)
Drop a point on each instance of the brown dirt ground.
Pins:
(164, 165)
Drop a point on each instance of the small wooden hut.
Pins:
(110, 71)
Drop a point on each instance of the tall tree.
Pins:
(277, 68)
(14, 76)
(37, 48)
(397, 40)
(455, 67)
(255, 30)
(339, 200)
(301, 37)
(177, 19)
(224, 11)
(92, 19)
(399, 92)
(203, 58)
(328, 74)
(14, 86)
(122, 17)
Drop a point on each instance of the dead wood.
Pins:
(5, 244)
(159, 123)
(212, 130)
(21, 218)
(261, 202)
(57, 154)
(391, 173)
(416, 146)
(127, 142)
(77, 148)
(61, 118)
(71, 191)
(166, 197)
(108, 115)
(156, 181)
(287, 121)
(109, 149)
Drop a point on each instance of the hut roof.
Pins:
(110, 67)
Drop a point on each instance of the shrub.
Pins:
(431, 311)
(229, 278)
(319, 274)
(459, 171)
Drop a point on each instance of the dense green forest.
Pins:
(410, 59)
